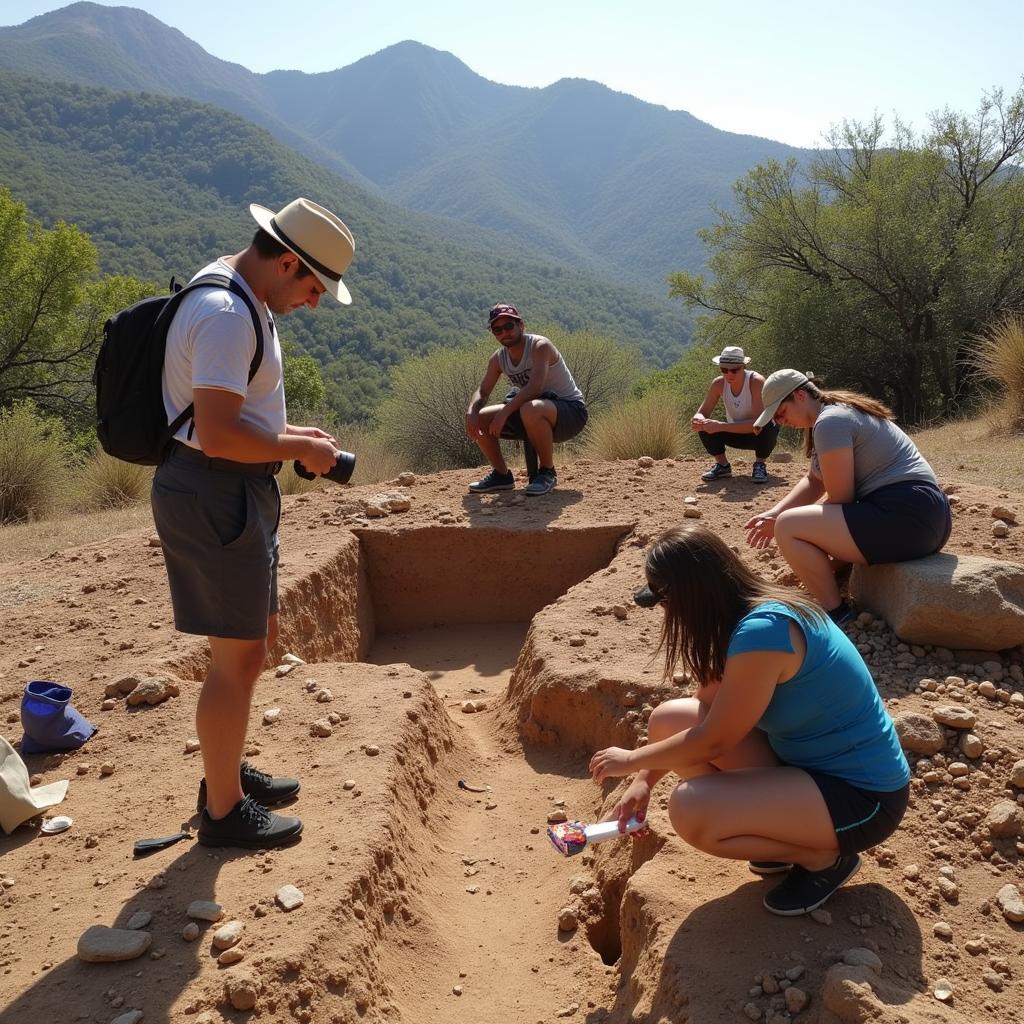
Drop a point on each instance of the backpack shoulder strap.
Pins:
(229, 284)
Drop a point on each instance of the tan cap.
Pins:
(777, 388)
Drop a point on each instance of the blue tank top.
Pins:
(829, 716)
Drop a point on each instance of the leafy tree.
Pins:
(304, 387)
(875, 265)
(51, 311)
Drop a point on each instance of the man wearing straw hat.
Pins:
(739, 391)
(216, 503)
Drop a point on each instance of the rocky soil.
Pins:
(435, 637)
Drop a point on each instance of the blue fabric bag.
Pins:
(49, 720)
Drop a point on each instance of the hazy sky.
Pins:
(787, 70)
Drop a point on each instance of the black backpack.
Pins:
(131, 421)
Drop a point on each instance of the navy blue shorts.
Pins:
(899, 522)
(862, 818)
(571, 418)
(218, 529)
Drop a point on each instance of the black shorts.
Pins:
(899, 522)
(861, 817)
(570, 420)
(218, 528)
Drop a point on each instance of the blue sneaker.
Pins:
(543, 482)
(717, 472)
(494, 481)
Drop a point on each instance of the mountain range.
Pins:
(576, 172)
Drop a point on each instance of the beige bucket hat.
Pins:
(732, 355)
(320, 239)
(18, 800)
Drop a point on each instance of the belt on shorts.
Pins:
(194, 457)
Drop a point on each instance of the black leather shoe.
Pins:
(263, 788)
(249, 825)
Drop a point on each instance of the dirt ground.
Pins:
(427, 902)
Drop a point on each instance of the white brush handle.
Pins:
(603, 830)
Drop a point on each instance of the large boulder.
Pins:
(953, 601)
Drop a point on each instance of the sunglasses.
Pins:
(730, 369)
(508, 325)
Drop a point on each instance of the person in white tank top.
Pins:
(739, 391)
(544, 405)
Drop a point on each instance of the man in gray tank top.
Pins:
(544, 405)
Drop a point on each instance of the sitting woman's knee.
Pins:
(687, 810)
(672, 717)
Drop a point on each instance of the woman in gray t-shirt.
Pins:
(868, 497)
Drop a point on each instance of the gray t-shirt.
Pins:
(882, 453)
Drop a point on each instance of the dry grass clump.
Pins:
(34, 455)
(104, 482)
(640, 426)
(997, 356)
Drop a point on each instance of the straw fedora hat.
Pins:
(18, 800)
(322, 241)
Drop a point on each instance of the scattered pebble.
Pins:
(228, 935)
(271, 715)
(190, 932)
(289, 897)
(205, 910)
(100, 944)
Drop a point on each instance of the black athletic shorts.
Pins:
(571, 419)
(861, 817)
(217, 523)
(899, 522)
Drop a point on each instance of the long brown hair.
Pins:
(854, 399)
(706, 589)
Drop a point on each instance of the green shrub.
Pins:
(997, 357)
(104, 482)
(637, 426)
(423, 421)
(34, 455)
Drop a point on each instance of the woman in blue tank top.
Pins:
(787, 756)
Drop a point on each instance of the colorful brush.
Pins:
(572, 837)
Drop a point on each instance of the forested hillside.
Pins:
(573, 171)
(162, 185)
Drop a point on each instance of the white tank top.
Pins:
(741, 406)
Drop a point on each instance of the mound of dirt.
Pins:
(492, 640)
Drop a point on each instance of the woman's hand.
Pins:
(611, 763)
(633, 804)
(760, 530)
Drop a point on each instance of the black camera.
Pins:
(341, 472)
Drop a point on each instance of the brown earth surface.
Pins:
(425, 902)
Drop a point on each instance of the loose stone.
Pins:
(100, 944)
(243, 991)
(205, 910)
(567, 920)
(289, 897)
(1010, 903)
(138, 920)
(190, 932)
(271, 715)
(228, 935)
(230, 956)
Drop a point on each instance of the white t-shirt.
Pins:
(210, 344)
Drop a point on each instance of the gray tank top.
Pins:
(558, 381)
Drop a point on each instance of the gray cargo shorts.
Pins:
(217, 522)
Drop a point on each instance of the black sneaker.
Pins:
(263, 788)
(842, 615)
(543, 482)
(717, 472)
(804, 891)
(494, 481)
(760, 473)
(768, 867)
(249, 825)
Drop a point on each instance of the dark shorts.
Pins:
(899, 522)
(571, 419)
(861, 817)
(218, 528)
